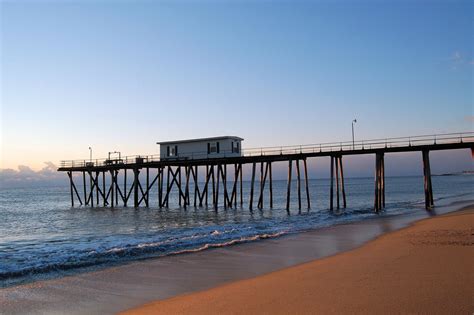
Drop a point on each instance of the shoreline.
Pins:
(123, 287)
(425, 268)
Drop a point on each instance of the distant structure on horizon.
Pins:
(214, 147)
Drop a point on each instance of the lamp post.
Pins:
(90, 154)
(353, 142)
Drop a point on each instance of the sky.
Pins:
(122, 75)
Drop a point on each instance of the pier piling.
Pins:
(252, 186)
(379, 202)
(270, 184)
(298, 183)
(429, 203)
(288, 190)
(136, 174)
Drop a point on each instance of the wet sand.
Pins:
(120, 288)
(427, 268)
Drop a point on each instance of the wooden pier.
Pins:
(179, 173)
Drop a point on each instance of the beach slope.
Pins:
(427, 268)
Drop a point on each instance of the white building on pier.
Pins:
(202, 148)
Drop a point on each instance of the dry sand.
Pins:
(427, 268)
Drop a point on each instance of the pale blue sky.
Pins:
(121, 75)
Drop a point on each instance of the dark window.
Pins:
(213, 147)
(208, 148)
(235, 147)
(172, 151)
(218, 150)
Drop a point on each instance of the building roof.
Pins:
(201, 140)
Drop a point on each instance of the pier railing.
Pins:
(359, 145)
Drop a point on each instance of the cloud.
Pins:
(458, 60)
(25, 176)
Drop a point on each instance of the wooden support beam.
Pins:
(97, 189)
(223, 169)
(185, 200)
(226, 192)
(381, 181)
(187, 170)
(233, 194)
(262, 186)
(378, 182)
(179, 185)
(129, 193)
(331, 194)
(336, 159)
(147, 194)
(298, 183)
(103, 189)
(91, 191)
(111, 189)
(136, 186)
(241, 186)
(270, 184)
(216, 200)
(75, 189)
(86, 202)
(236, 180)
(142, 193)
(95, 184)
(260, 197)
(167, 186)
(382, 169)
(252, 186)
(288, 191)
(376, 201)
(125, 187)
(341, 171)
(175, 180)
(206, 186)
(77, 193)
(71, 189)
(213, 186)
(160, 186)
(118, 190)
(429, 202)
(196, 184)
(116, 187)
(207, 180)
(306, 180)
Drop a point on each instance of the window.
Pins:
(212, 147)
(172, 151)
(235, 147)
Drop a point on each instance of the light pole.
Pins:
(90, 154)
(353, 142)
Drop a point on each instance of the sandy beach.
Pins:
(181, 280)
(426, 268)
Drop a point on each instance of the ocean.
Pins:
(43, 237)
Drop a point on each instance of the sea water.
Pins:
(42, 236)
